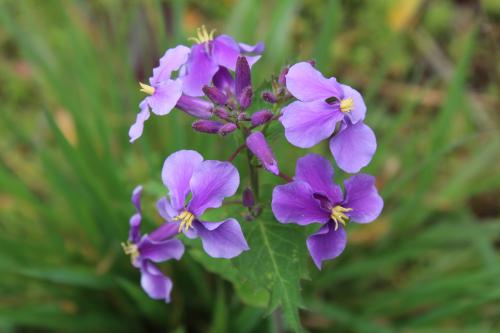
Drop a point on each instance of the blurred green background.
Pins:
(430, 74)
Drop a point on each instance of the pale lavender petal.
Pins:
(224, 80)
(154, 282)
(353, 147)
(326, 243)
(255, 49)
(318, 173)
(195, 106)
(258, 145)
(160, 251)
(294, 203)
(359, 109)
(307, 84)
(200, 70)
(165, 231)
(166, 95)
(212, 181)
(166, 210)
(176, 174)
(136, 198)
(137, 128)
(225, 51)
(221, 239)
(306, 124)
(171, 61)
(362, 196)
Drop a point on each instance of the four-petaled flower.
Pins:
(313, 198)
(322, 104)
(145, 250)
(208, 182)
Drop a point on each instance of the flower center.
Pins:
(186, 219)
(131, 249)
(146, 89)
(346, 105)
(338, 216)
(202, 35)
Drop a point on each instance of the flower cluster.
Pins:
(212, 82)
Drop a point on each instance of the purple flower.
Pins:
(209, 182)
(322, 104)
(313, 198)
(258, 145)
(148, 249)
(211, 54)
(163, 91)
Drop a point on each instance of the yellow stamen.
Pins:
(146, 89)
(186, 219)
(346, 105)
(202, 35)
(131, 249)
(338, 216)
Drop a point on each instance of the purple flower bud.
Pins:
(194, 106)
(221, 113)
(269, 97)
(207, 126)
(242, 77)
(227, 128)
(282, 77)
(245, 98)
(257, 144)
(248, 198)
(215, 95)
(261, 117)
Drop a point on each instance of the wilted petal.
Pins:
(358, 111)
(154, 282)
(200, 70)
(294, 203)
(258, 145)
(176, 174)
(308, 84)
(306, 124)
(171, 61)
(166, 95)
(362, 196)
(318, 173)
(353, 147)
(159, 251)
(221, 239)
(212, 181)
(137, 128)
(326, 243)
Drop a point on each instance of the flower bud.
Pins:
(207, 126)
(282, 76)
(194, 106)
(269, 97)
(227, 128)
(261, 117)
(245, 98)
(248, 198)
(242, 76)
(221, 113)
(215, 95)
(257, 144)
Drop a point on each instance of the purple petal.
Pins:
(227, 128)
(318, 173)
(165, 209)
(215, 94)
(136, 129)
(359, 109)
(254, 49)
(226, 50)
(176, 174)
(166, 95)
(136, 198)
(307, 84)
(223, 80)
(134, 233)
(221, 239)
(154, 282)
(160, 251)
(294, 203)
(200, 69)
(258, 145)
(165, 231)
(195, 106)
(353, 147)
(362, 196)
(326, 243)
(207, 126)
(261, 117)
(211, 182)
(306, 124)
(171, 61)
